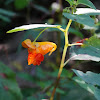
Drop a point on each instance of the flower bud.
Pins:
(55, 6)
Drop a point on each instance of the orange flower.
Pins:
(37, 50)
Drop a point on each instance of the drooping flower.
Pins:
(37, 50)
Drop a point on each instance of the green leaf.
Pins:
(40, 73)
(5, 15)
(82, 19)
(84, 85)
(91, 88)
(10, 82)
(38, 96)
(71, 2)
(12, 87)
(4, 94)
(90, 50)
(25, 76)
(93, 41)
(31, 26)
(87, 3)
(60, 91)
(21, 4)
(89, 77)
(6, 70)
(42, 9)
(8, 2)
(31, 98)
(90, 28)
(76, 32)
(97, 93)
(77, 93)
(6, 12)
(15, 30)
(29, 91)
(87, 11)
(4, 18)
(64, 73)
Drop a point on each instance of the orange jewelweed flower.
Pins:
(37, 50)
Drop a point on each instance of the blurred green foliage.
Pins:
(89, 81)
(21, 4)
(8, 86)
(40, 84)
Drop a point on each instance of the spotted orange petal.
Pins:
(31, 58)
(35, 58)
(38, 59)
(45, 47)
(28, 44)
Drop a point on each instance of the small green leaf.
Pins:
(93, 41)
(6, 12)
(87, 3)
(82, 19)
(4, 94)
(4, 18)
(42, 9)
(71, 2)
(84, 85)
(21, 4)
(12, 86)
(89, 77)
(31, 98)
(6, 70)
(97, 93)
(60, 91)
(91, 88)
(31, 26)
(64, 73)
(76, 93)
(76, 32)
(90, 50)
(10, 83)
(25, 76)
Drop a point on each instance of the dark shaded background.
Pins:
(10, 44)
(36, 11)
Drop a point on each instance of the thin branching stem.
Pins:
(63, 59)
(40, 34)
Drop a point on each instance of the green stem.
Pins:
(75, 44)
(40, 34)
(66, 62)
(46, 29)
(63, 59)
